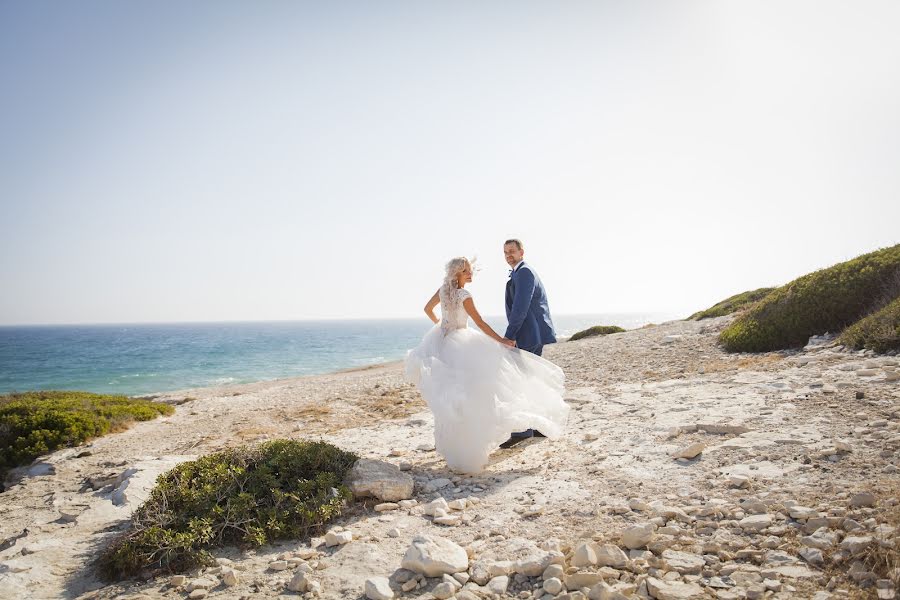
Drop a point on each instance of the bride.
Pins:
(477, 385)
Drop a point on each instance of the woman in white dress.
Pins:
(476, 384)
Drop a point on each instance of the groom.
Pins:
(528, 314)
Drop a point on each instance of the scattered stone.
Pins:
(386, 506)
(610, 555)
(437, 484)
(756, 522)
(673, 590)
(177, 580)
(433, 556)
(862, 499)
(691, 451)
(299, 583)
(379, 479)
(437, 507)
(638, 536)
(338, 538)
(683, 562)
(278, 565)
(444, 590)
(379, 588)
(812, 555)
(230, 577)
(552, 586)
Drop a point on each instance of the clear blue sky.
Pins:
(168, 161)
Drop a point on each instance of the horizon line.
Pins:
(300, 320)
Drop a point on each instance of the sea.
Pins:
(144, 359)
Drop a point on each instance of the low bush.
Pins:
(246, 496)
(36, 423)
(826, 300)
(732, 304)
(880, 331)
(596, 330)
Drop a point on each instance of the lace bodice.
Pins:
(453, 313)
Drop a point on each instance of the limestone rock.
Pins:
(379, 479)
(638, 536)
(683, 562)
(610, 555)
(333, 538)
(443, 590)
(434, 556)
(379, 588)
(553, 586)
(691, 451)
(673, 590)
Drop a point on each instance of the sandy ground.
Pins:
(811, 428)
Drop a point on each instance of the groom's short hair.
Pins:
(518, 243)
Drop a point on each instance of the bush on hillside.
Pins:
(36, 423)
(880, 331)
(826, 300)
(246, 496)
(596, 330)
(732, 304)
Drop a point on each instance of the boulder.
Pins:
(379, 479)
(434, 556)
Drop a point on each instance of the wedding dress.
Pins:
(480, 391)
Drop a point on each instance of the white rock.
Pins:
(379, 588)
(386, 506)
(407, 504)
(177, 580)
(437, 484)
(333, 538)
(379, 479)
(299, 583)
(584, 555)
(443, 590)
(278, 565)
(498, 585)
(553, 586)
(673, 590)
(457, 504)
(199, 584)
(691, 451)
(448, 521)
(638, 536)
(436, 505)
(230, 577)
(755, 522)
(610, 555)
(433, 556)
(683, 562)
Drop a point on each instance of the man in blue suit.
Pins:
(528, 314)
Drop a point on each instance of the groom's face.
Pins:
(513, 254)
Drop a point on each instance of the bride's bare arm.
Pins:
(469, 305)
(429, 308)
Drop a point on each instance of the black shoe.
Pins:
(538, 433)
(517, 438)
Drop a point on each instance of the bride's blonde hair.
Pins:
(451, 277)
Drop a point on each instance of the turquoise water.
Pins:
(150, 358)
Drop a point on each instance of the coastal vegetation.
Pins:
(732, 304)
(828, 300)
(36, 423)
(596, 330)
(880, 331)
(245, 496)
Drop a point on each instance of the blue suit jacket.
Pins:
(527, 310)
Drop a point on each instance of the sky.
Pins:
(209, 161)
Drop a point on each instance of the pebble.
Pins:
(691, 451)
(333, 538)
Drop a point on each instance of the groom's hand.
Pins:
(509, 342)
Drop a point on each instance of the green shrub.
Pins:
(245, 496)
(732, 304)
(35, 423)
(596, 330)
(880, 331)
(826, 300)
